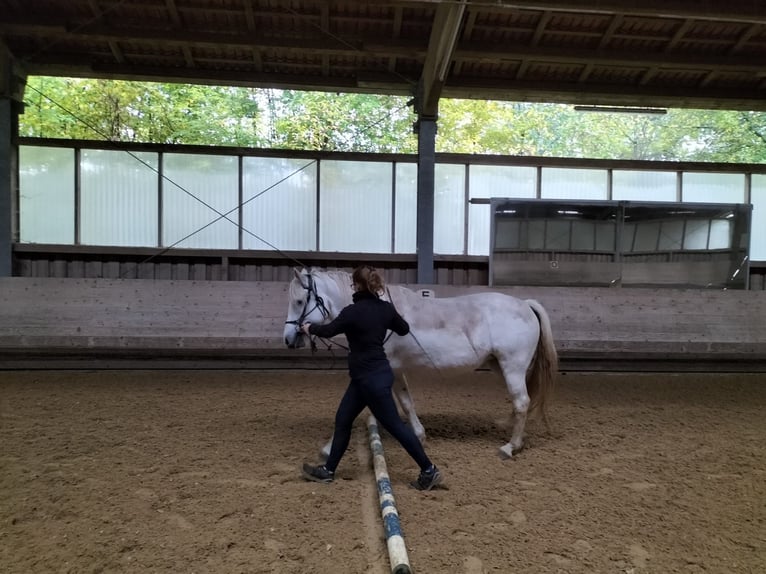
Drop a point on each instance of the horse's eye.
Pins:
(299, 302)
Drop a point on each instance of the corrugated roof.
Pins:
(668, 54)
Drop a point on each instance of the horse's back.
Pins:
(463, 332)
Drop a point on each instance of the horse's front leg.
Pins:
(407, 405)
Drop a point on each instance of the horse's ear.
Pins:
(299, 276)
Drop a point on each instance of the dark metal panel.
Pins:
(6, 187)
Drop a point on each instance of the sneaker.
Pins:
(427, 479)
(318, 473)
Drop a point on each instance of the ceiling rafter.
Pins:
(693, 53)
(648, 75)
(175, 17)
(731, 11)
(113, 46)
(679, 34)
(470, 22)
(585, 73)
(545, 17)
(408, 49)
(707, 80)
(521, 71)
(614, 24)
(441, 47)
(325, 26)
(744, 38)
(250, 21)
(605, 58)
(396, 31)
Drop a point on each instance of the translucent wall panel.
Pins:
(194, 179)
(562, 183)
(406, 220)
(671, 235)
(507, 234)
(720, 234)
(449, 208)
(696, 233)
(647, 235)
(758, 221)
(713, 187)
(605, 236)
(535, 234)
(485, 181)
(46, 195)
(355, 206)
(643, 185)
(118, 198)
(557, 234)
(583, 235)
(628, 235)
(279, 203)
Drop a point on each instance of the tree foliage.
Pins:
(221, 115)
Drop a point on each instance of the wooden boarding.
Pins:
(96, 322)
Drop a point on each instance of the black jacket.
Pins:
(365, 324)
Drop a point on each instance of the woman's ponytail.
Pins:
(369, 279)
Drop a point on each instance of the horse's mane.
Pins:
(341, 278)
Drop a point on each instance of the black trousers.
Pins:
(373, 391)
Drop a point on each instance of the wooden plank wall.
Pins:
(149, 318)
(33, 261)
(75, 262)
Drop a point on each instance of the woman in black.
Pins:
(365, 323)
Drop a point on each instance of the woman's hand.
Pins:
(305, 328)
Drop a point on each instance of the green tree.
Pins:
(221, 115)
(147, 112)
(341, 122)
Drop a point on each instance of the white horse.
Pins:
(453, 335)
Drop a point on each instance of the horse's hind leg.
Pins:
(324, 454)
(515, 381)
(407, 405)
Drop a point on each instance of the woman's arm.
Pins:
(399, 325)
(334, 327)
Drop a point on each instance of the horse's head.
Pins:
(309, 301)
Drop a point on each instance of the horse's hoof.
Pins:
(505, 452)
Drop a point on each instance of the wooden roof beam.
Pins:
(13, 78)
(540, 28)
(685, 26)
(607, 58)
(468, 27)
(441, 46)
(615, 23)
(250, 20)
(730, 11)
(414, 50)
(324, 19)
(175, 16)
(745, 38)
(113, 46)
(396, 32)
(608, 94)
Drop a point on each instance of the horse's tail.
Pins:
(541, 374)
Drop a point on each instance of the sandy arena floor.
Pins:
(182, 472)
